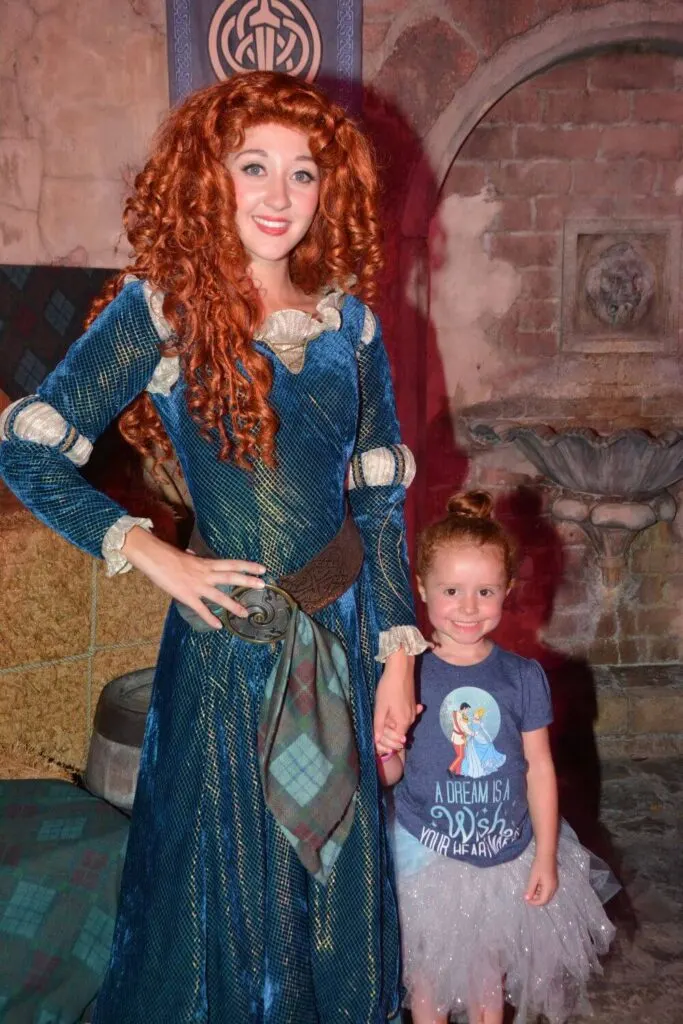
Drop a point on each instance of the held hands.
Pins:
(189, 578)
(395, 707)
(542, 884)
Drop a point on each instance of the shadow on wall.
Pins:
(529, 608)
(409, 333)
(443, 469)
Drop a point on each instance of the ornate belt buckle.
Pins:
(270, 610)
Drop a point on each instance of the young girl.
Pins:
(491, 905)
(256, 886)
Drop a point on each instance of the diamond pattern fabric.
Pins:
(61, 852)
(302, 769)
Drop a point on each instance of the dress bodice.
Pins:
(279, 515)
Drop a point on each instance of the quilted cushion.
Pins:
(61, 854)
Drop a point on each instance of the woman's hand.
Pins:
(395, 708)
(542, 884)
(188, 578)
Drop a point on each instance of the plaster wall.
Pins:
(83, 85)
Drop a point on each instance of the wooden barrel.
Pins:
(114, 755)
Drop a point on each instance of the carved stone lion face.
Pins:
(619, 285)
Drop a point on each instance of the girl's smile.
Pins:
(464, 590)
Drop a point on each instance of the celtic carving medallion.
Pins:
(264, 35)
(619, 285)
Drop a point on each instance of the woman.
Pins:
(483, 757)
(256, 885)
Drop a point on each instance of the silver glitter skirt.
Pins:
(471, 939)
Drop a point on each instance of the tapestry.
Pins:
(42, 309)
(318, 40)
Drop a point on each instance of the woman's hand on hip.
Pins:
(189, 578)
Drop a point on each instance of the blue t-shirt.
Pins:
(463, 794)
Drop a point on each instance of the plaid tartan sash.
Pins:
(306, 744)
(308, 758)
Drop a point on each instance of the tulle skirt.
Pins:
(470, 939)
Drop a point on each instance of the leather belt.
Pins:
(320, 582)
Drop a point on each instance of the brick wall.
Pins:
(598, 137)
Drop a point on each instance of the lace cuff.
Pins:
(114, 539)
(408, 637)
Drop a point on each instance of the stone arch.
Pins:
(561, 37)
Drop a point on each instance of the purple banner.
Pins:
(320, 40)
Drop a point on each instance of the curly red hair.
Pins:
(180, 222)
(468, 520)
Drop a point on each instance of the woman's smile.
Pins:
(271, 226)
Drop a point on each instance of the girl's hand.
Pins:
(542, 884)
(395, 708)
(392, 741)
(390, 768)
(188, 578)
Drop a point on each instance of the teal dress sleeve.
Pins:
(45, 438)
(381, 468)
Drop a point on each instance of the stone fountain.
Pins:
(613, 477)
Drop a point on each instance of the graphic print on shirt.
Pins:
(470, 719)
(464, 789)
(472, 816)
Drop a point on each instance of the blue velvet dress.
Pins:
(219, 923)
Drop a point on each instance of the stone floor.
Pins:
(642, 816)
(642, 810)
